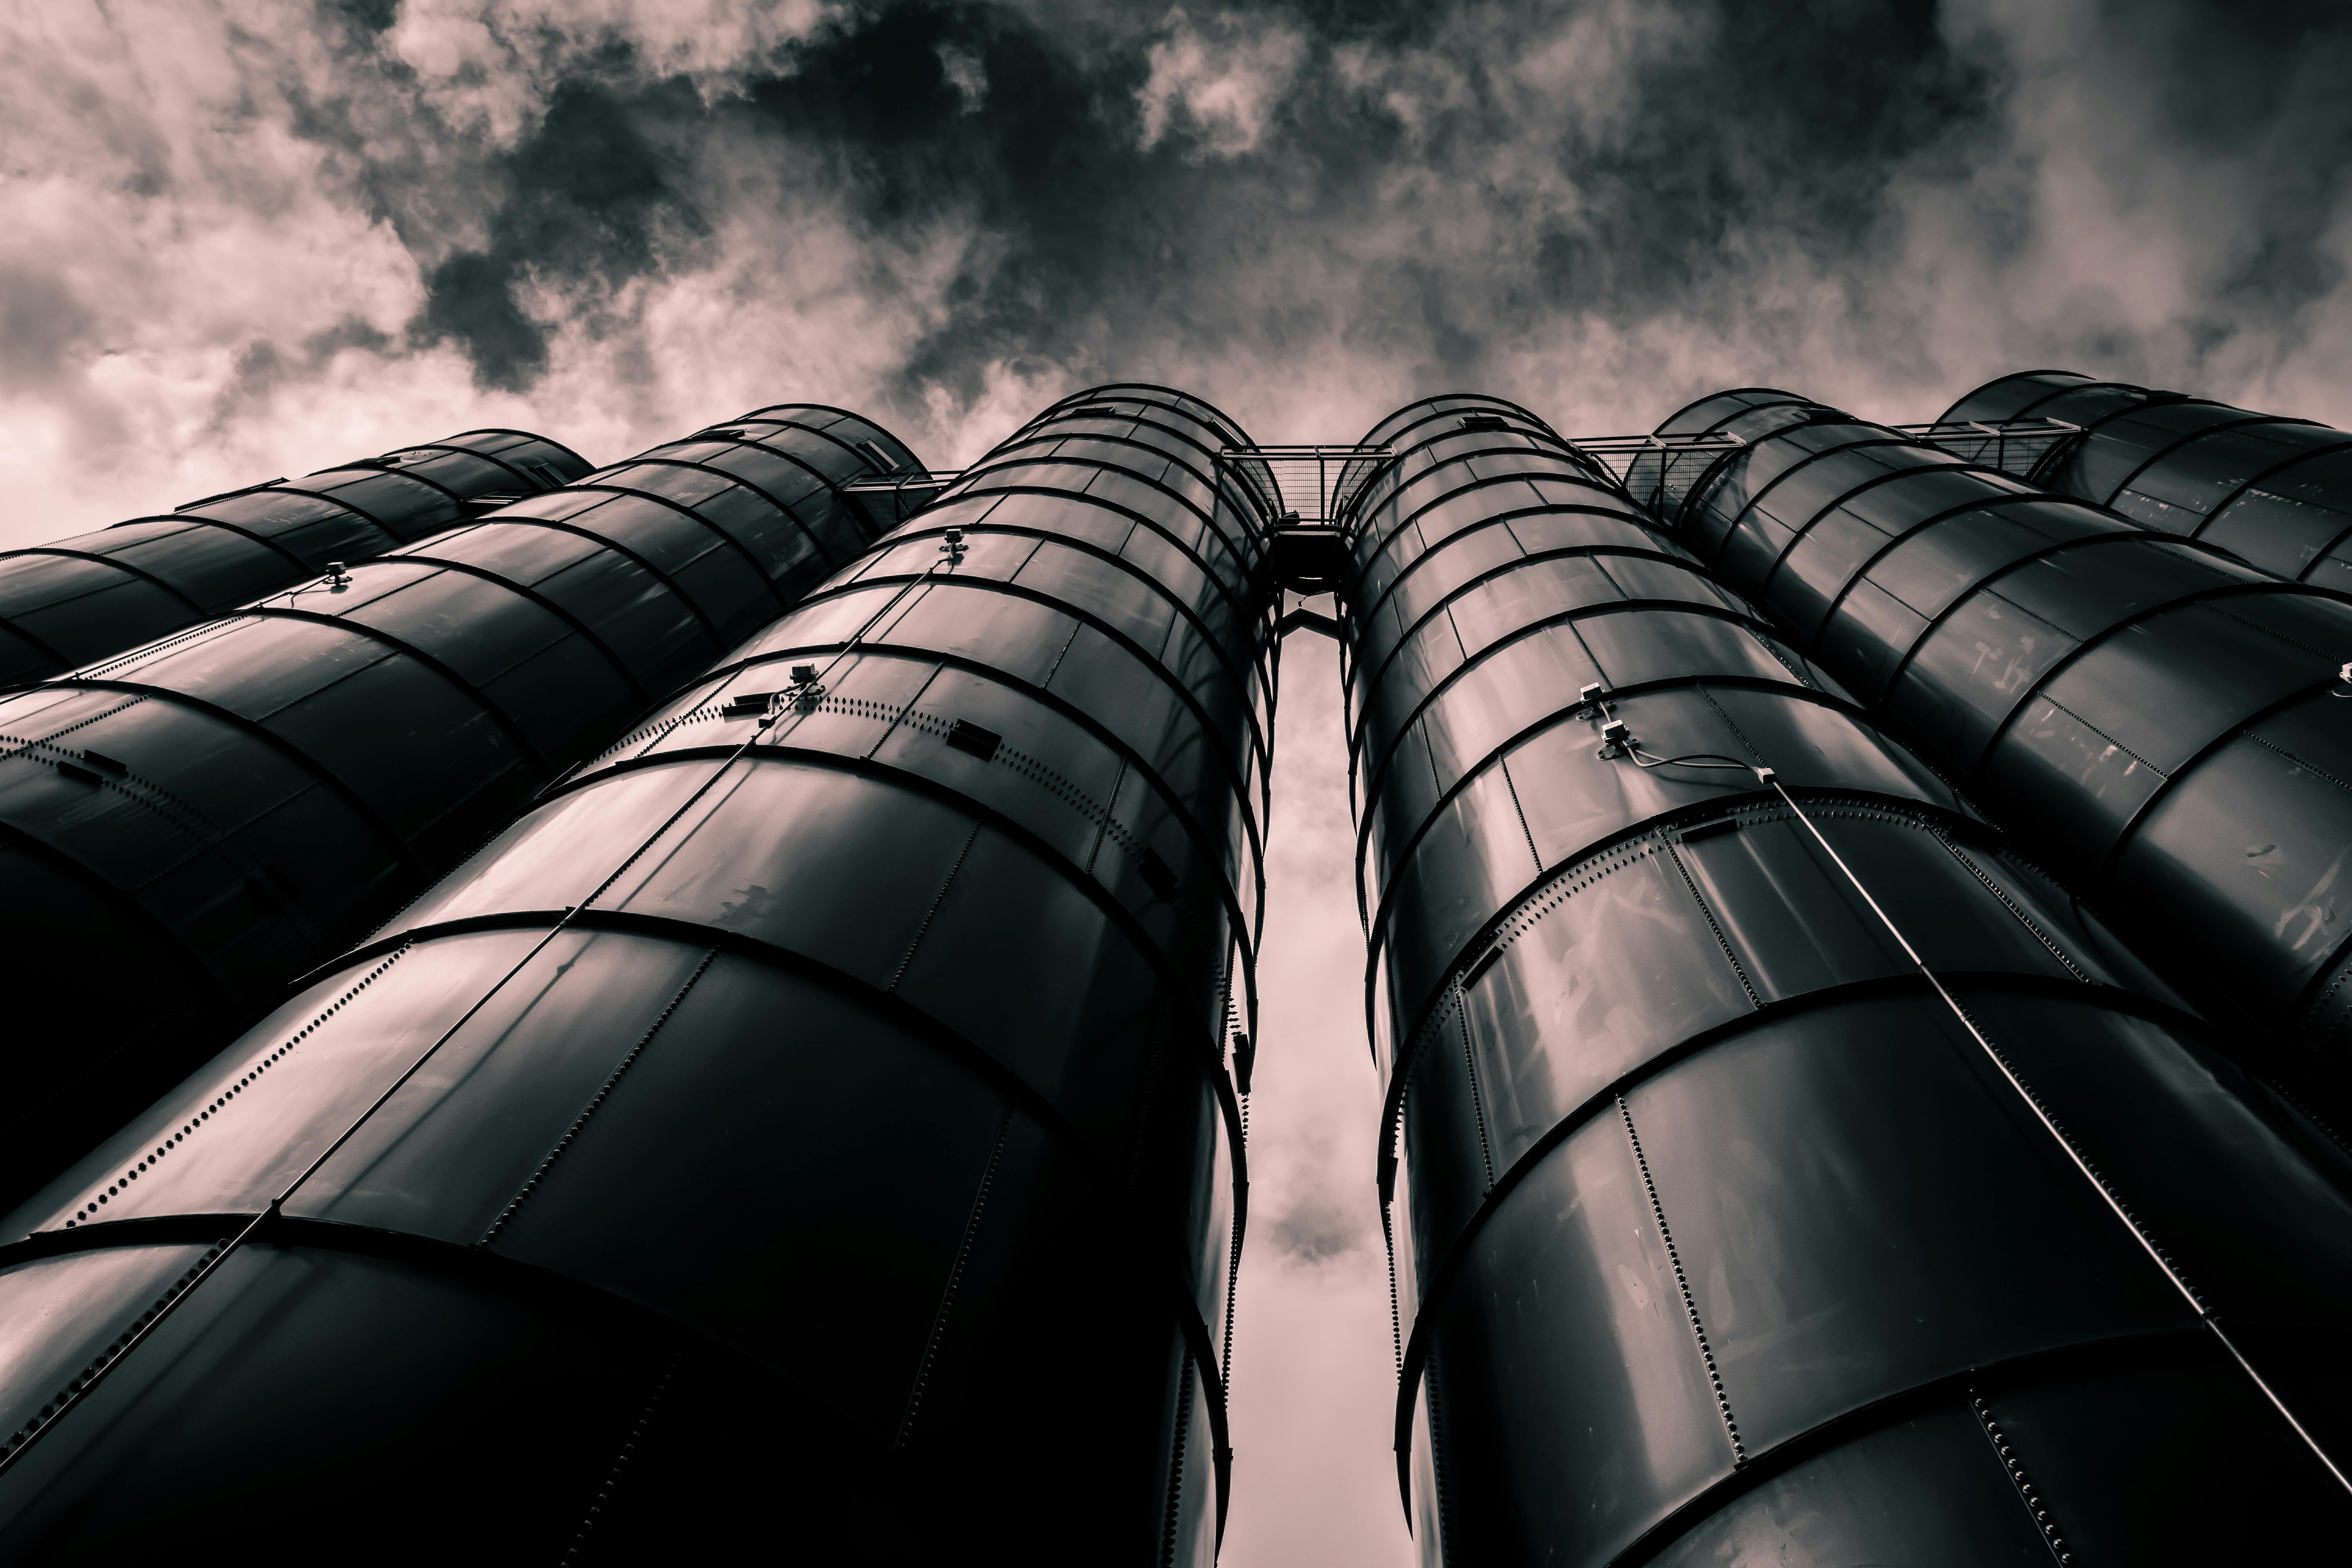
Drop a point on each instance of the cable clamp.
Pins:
(806, 691)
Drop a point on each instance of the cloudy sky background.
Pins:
(248, 238)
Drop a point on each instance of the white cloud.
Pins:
(967, 74)
(1225, 76)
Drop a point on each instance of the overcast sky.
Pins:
(248, 238)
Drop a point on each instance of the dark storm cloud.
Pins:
(2263, 87)
(1102, 233)
(42, 324)
(634, 211)
(255, 237)
(1319, 1230)
(1036, 142)
(1799, 128)
(592, 197)
(1128, 194)
(265, 366)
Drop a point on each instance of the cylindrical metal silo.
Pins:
(806, 1130)
(187, 828)
(2273, 490)
(1685, 446)
(1781, 1171)
(79, 600)
(2159, 724)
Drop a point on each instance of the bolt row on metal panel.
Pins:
(821, 1087)
(188, 827)
(1781, 1170)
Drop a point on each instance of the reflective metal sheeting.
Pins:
(2276, 492)
(2162, 725)
(1726, 1229)
(188, 827)
(81, 599)
(1661, 482)
(805, 1128)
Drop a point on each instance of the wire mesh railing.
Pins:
(1658, 470)
(1310, 485)
(2016, 447)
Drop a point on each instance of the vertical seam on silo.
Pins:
(206, 836)
(1690, 1305)
(1437, 1465)
(932, 914)
(892, 714)
(2310, 767)
(1046, 680)
(595, 1101)
(2065, 1142)
(1503, 766)
(2042, 694)
(2082, 1159)
(2268, 631)
(1738, 971)
(1729, 723)
(106, 1354)
(204, 1114)
(214, 838)
(2288, 1093)
(1233, 1256)
(1103, 825)
(1396, 1313)
(1233, 1301)
(1477, 1101)
(2008, 903)
(1781, 660)
(1176, 1463)
(208, 628)
(2018, 1478)
(615, 1470)
(955, 1281)
(1446, 609)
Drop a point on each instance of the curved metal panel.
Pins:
(1751, 1109)
(2274, 492)
(861, 1017)
(254, 793)
(79, 600)
(2147, 714)
(2018, 396)
(1692, 440)
(614, 1432)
